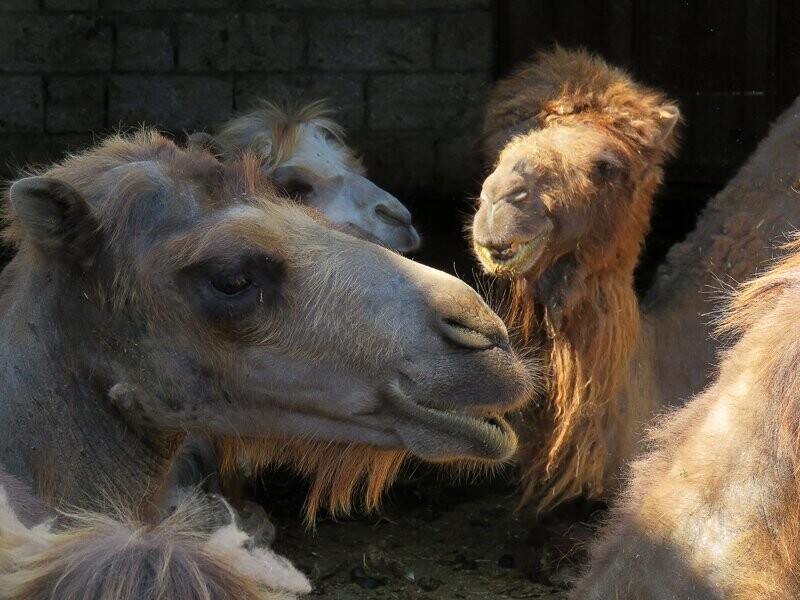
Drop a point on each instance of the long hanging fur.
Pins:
(568, 439)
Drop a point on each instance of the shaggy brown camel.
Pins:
(713, 510)
(563, 215)
(305, 155)
(156, 292)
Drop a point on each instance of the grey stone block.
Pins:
(19, 4)
(300, 4)
(75, 104)
(452, 101)
(458, 164)
(72, 4)
(422, 4)
(172, 102)
(400, 164)
(20, 149)
(144, 49)
(54, 43)
(21, 103)
(464, 41)
(241, 42)
(344, 92)
(134, 5)
(349, 42)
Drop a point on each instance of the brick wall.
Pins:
(409, 77)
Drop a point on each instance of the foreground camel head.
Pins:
(573, 181)
(306, 157)
(201, 301)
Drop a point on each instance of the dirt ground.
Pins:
(431, 541)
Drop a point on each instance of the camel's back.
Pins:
(736, 236)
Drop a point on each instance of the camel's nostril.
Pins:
(466, 336)
(393, 217)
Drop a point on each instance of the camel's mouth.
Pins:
(437, 434)
(513, 259)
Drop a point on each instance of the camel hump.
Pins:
(95, 557)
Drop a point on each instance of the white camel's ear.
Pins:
(668, 116)
(55, 217)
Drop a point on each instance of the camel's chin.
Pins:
(440, 435)
(524, 258)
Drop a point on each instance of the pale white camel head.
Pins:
(305, 155)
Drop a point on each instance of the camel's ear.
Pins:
(668, 116)
(200, 140)
(55, 217)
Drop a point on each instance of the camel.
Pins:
(576, 150)
(306, 157)
(156, 292)
(713, 510)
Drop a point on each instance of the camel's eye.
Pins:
(231, 285)
(230, 289)
(297, 189)
(294, 182)
(605, 170)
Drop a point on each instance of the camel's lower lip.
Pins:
(486, 436)
(522, 256)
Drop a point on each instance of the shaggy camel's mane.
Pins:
(572, 86)
(590, 343)
(342, 477)
(277, 128)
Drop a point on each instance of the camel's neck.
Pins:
(58, 430)
(590, 346)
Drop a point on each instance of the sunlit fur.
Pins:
(113, 556)
(570, 441)
(342, 477)
(713, 510)
(272, 130)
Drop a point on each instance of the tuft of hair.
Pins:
(272, 130)
(344, 477)
(93, 556)
(570, 86)
(747, 302)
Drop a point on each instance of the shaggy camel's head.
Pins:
(306, 158)
(207, 303)
(575, 177)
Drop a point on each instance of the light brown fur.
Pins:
(615, 363)
(713, 510)
(578, 305)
